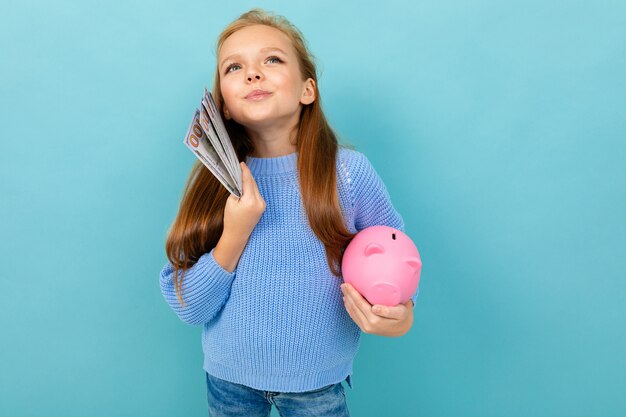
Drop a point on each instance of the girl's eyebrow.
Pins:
(267, 49)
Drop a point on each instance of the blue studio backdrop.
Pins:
(499, 128)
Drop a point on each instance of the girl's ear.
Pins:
(308, 94)
(226, 113)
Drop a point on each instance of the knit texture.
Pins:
(277, 322)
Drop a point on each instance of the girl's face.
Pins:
(260, 57)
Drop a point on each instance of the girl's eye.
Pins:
(271, 58)
(274, 58)
(230, 67)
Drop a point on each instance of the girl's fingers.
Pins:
(358, 307)
(359, 301)
(355, 313)
(396, 313)
(248, 180)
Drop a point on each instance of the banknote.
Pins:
(208, 139)
(208, 104)
(197, 141)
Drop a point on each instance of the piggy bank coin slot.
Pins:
(393, 236)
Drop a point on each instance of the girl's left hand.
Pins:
(378, 319)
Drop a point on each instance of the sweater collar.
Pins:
(275, 165)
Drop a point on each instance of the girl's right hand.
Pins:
(242, 214)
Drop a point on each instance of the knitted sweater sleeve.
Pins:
(371, 200)
(206, 288)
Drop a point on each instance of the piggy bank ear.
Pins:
(414, 262)
(373, 248)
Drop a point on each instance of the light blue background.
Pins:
(498, 127)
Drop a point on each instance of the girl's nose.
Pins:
(252, 75)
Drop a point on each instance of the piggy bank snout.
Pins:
(384, 293)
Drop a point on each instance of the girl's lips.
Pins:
(258, 95)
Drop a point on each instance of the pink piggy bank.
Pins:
(383, 265)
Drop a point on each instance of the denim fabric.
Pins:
(227, 399)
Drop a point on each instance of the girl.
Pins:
(261, 273)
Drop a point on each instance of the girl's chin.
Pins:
(256, 120)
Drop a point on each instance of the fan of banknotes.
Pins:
(208, 139)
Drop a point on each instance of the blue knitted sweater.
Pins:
(277, 322)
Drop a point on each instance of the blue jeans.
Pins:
(228, 399)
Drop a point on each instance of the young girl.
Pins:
(261, 273)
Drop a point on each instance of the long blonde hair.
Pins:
(199, 222)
